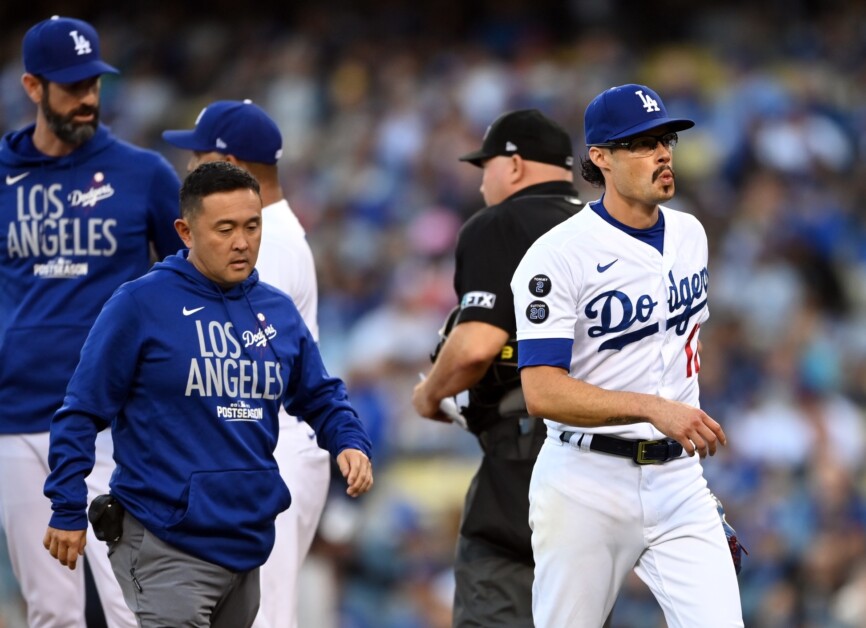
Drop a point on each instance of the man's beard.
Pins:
(65, 128)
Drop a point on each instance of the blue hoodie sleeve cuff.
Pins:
(360, 446)
(68, 521)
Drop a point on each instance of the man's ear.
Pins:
(518, 169)
(33, 86)
(598, 157)
(183, 230)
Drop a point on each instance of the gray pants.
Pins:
(493, 589)
(165, 587)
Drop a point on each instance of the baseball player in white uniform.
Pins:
(242, 133)
(609, 306)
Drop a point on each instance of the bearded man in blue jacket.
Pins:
(80, 213)
(189, 365)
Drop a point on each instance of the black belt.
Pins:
(641, 451)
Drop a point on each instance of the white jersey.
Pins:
(630, 314)
(286, 261)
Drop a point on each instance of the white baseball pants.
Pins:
(306, 470)
(54, 594)
(596, 516)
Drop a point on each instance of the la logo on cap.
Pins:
(649, 103)
(82, 44)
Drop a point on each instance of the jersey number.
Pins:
(693, 359)
(537, 313)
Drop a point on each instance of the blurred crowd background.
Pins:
(376, 100)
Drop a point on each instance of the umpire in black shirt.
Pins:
(527, 184)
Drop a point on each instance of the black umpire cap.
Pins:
(528, 133)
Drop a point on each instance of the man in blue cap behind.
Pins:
(82, 212)
(241, 133)
(609, 306)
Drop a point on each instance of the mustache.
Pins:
(83, 110)
(658, 172)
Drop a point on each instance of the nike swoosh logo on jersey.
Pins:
(10, 180)
(187, 312)
(601, 268)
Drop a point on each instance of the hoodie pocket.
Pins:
(223, 500)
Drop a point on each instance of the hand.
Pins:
(357, 469)
(65, 545)
(425, 406)
(691, 427)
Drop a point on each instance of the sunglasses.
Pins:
(644, 144)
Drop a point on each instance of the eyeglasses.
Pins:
(644, 145)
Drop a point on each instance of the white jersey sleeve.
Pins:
(546, 288)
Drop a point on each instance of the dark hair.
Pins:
(591, 173)
(212, 178)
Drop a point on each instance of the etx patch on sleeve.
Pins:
(478, 299)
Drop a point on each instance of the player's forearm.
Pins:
(451, 376)
(552, 394)
(464, 359)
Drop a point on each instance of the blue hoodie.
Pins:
(191, 377)
(72, 229)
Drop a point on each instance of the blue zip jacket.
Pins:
(72, 229)
(190, 378)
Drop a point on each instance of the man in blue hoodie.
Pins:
(242, 133)
(80, 212)
(190, 365)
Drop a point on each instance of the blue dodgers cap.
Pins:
(232, 127)
(63, 50)
(626, 111)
